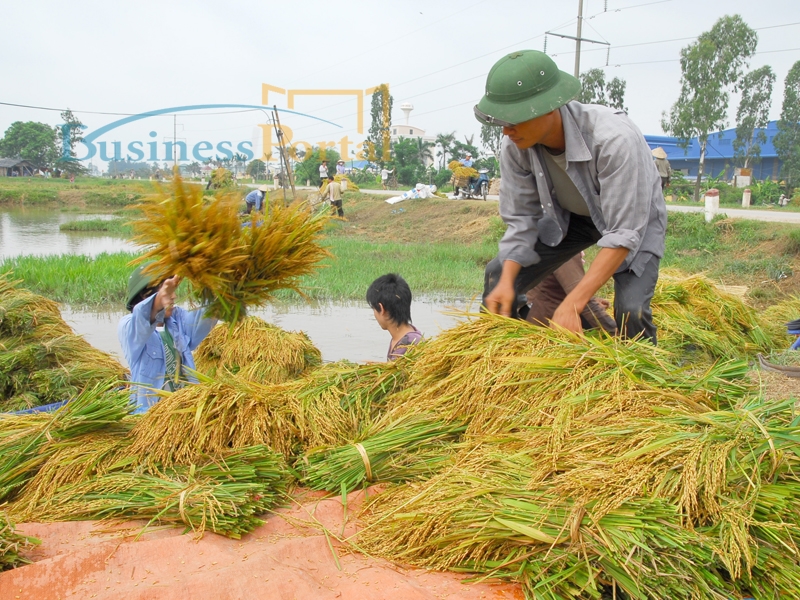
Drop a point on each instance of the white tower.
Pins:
(407, 107)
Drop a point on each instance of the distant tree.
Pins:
(753, 113)
(257, 169)
(69, 133)
(709, 67)
(492, 138)
(410, 168)
(460, 149)
(445, 141)
(787, 141)
(308, 168)
(378, 143)
(595, 89)
(424, 152)
(31, 141)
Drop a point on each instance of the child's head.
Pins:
(390, 297)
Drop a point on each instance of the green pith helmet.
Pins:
(524, 85)
(137, 282)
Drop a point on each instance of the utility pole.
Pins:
(578, 40)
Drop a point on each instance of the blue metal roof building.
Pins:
(719, 154)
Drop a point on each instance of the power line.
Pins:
(650, 62)
(681, 39)
(116, 114)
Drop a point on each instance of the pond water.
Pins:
(35, 231)
(339, 330)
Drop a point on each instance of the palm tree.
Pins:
(445, 140)
(424, 152)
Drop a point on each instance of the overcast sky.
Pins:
(141, 56)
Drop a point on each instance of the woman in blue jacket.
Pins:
(157, 338)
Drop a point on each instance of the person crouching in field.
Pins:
(390, 299)
(157, 338)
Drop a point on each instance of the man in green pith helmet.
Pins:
(157, 338)
(573, 175)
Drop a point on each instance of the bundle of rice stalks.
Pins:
(231, 266)
(692, 313)
(776, 317)
(394, 451)
(348, 186)
(499, 374)
(338, 402)
(22, 312)
(461, 174)
(222, 178)
(257, 350)
(75, 460)
(211, 417)
(12, 545)
(224, 494)
(41, 360)
(26, 441)
(710, 509)
(38, 369)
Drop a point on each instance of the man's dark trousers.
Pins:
(632, 294)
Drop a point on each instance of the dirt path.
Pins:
(287, 558)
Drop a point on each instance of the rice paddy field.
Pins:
(586, 467)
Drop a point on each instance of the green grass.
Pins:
(113, 226)
(448, 271)
(74, 279)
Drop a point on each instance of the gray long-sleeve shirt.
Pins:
(610, 163)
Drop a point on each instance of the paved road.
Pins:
(774, 216)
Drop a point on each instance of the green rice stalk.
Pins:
(257, 350)
(395, 451)
(13, 545)
(692, 313)
(224, 494)
(338, 402)
(26, 440)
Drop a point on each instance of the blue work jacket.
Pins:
(144, 350)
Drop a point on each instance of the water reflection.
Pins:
(339, 330)
(35, 231)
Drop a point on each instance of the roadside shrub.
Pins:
(442, 177)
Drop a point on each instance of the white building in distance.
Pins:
(409, 131)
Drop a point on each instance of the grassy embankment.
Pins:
(441, 247)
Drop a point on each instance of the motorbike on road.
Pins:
(477, 187)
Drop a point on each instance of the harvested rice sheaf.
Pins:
(499, 374)
(349, 186)
(329, 405)
(224, 494)
(339, 402)
(41, 360)
(392, 451)
(691, 313)
(214, 416)
(230, 265)
(27, 441)
(13, 545)
(257, 350)
(704, 504)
